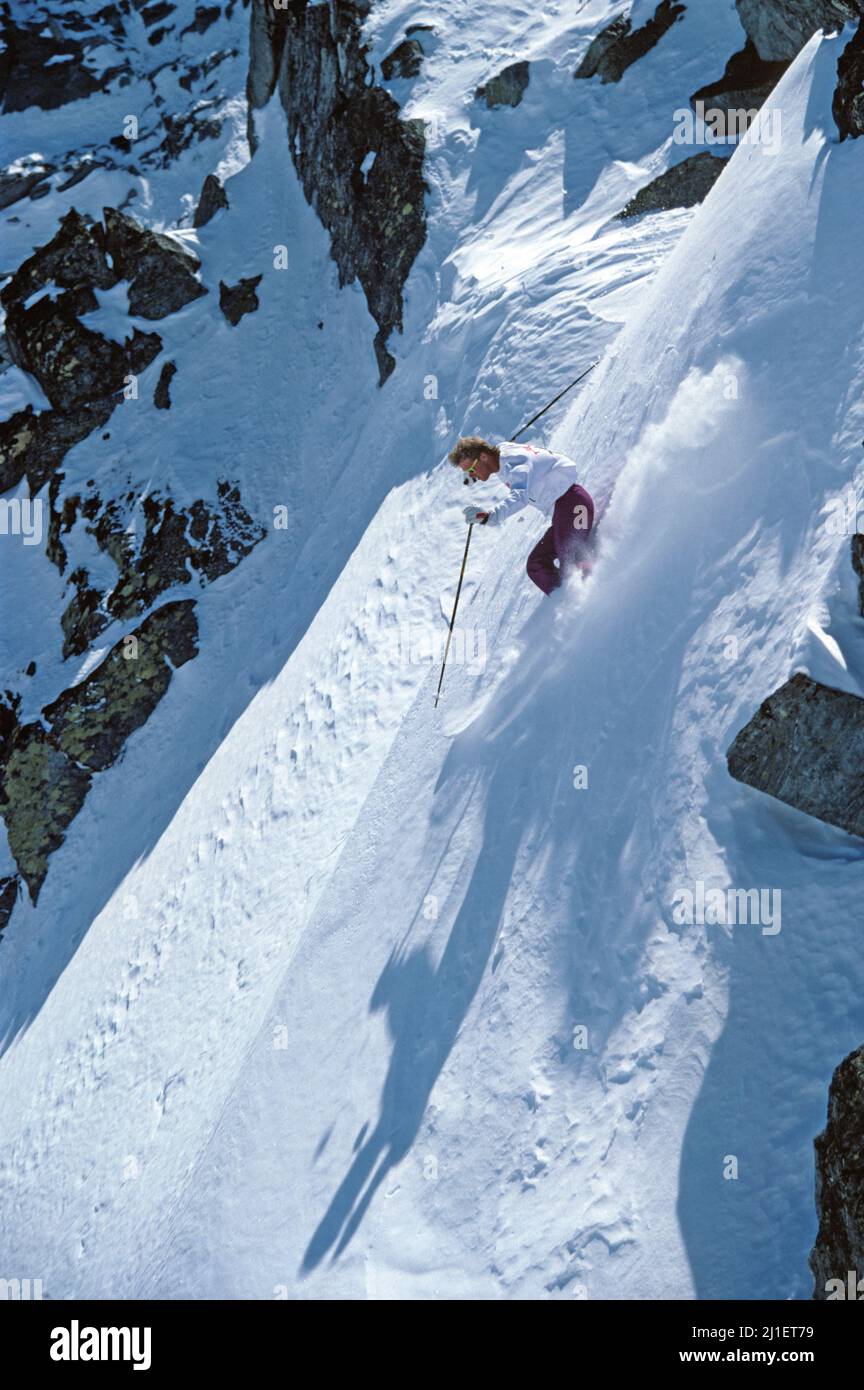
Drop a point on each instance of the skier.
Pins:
(547, 482)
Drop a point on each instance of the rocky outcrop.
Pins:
(316, 57)
(205, 15)
(91, 721)
(75, 256)
(848, 104)
(237, 300)
(41, 792)
(213, 197)
(46, 768)
(681, 186)
(84, 256)
(72, 364)
(82, 372)
(839, 1248)
(406, 60)
(28, 66)
(27, 176)
(858, 566)
(9, 887)
(619, 45)
(747, 82)
(805, 746)
(779, 29)
(161, 273)
(507, 88)
(156, 544)
(162, 394)
(179, 545)
(33, 445)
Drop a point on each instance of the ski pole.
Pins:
(555, 401)
(453, 619)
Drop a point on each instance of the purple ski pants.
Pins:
(568, 540)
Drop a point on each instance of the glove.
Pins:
(472, 515)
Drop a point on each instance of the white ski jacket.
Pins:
(534, 476)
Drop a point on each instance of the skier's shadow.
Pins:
(426, 1007)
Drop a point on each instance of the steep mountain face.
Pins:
(278, 910)
(359, 163)
(119, 542)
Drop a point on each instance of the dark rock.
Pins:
(79, 173)
(805, 746)
(72, 364)
(34, 445)
(18, 185)
(27, 76)
(205, 540)
(196, 72)
(747, 82)
(184, 130)
(268, 29)
(162, 394)
(223, 536)
(780, 28)
(81, 300)
(9, 706)
(507, 89)
(847, 107)
(8, 897)
(336, 116)
(161, 272)
(142, 349)
(46, 773)
(91, 722)
(213, 197)
(151, 14)
(237, 300)
(619, 45)
(82, 620)
(858, 566)
(405, 60)
(839, 1247)
(42, 790)
(681, 186)
(74, 256)
(205, 15)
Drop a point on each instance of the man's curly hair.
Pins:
(471, 446)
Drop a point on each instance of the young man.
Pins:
(544, 480)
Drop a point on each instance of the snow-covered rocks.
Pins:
(837, 1258)
(805, 745)
(237, 300)
(161, 273)
(848, 106)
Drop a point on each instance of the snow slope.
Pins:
(316, 1034)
